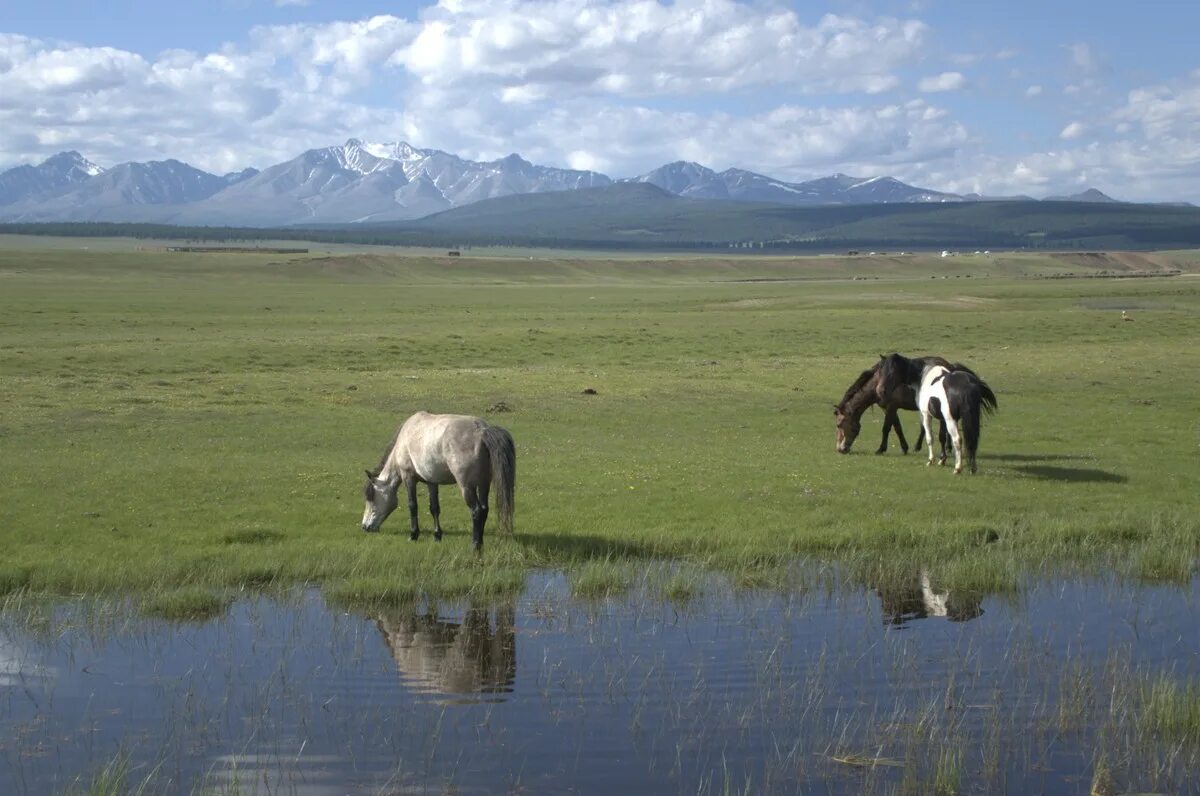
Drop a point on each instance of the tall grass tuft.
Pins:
(1171, 711)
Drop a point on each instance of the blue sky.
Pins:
(1017, 97)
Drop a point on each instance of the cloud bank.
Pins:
(619, 87)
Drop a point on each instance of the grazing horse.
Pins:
(444, 449)
(862, 395)
(888, 385)
(959, 397)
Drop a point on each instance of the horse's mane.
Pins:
(894, 370)
(897, 369)
(858, 384)
(386, 453)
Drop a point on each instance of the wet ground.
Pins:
(843, 690)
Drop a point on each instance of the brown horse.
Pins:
(893, 394)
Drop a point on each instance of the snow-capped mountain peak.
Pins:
(72, 161)
(55, 174)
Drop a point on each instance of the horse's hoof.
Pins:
(412, 537)
(437, 537)
(881, 451)
(958, 471)
(929, 463)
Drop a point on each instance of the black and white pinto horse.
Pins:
(957, 397)
(444, 449)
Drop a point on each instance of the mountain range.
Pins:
(361, 182)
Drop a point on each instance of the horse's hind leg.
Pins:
(956, 439)
(410, 485)
(476, 499)
(926, 419)
(435, 509)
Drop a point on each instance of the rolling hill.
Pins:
(641, 215)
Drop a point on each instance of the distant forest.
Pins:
(602, 220)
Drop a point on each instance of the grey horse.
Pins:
(444, 449)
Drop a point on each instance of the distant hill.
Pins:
(640, 216)
(643, 215)
(1090, 195)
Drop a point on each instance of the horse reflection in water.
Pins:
(903, 602)
(439, 656)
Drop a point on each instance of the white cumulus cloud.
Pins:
(643, 48)
(619, 87)
(1072, 131)
(946, 81)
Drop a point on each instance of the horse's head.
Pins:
(847, 428)
(381, 500)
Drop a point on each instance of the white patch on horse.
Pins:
(933, 388)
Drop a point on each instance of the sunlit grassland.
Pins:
(202, 421)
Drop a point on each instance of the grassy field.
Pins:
(198, 423)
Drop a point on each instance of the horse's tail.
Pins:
(504, 471)
(987, 398)
(976, 400)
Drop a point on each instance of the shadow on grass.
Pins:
(1078, 475)
(581, 547)
(1035, 457)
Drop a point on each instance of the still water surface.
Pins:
(843, 691)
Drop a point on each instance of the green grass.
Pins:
(178, 421)
(1171, 711)
(115, 778)
(189, 603)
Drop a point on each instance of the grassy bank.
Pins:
(199, 420)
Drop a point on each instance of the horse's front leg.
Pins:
(895, 413)
(888, 418)
(435, 509)
(410, 486)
